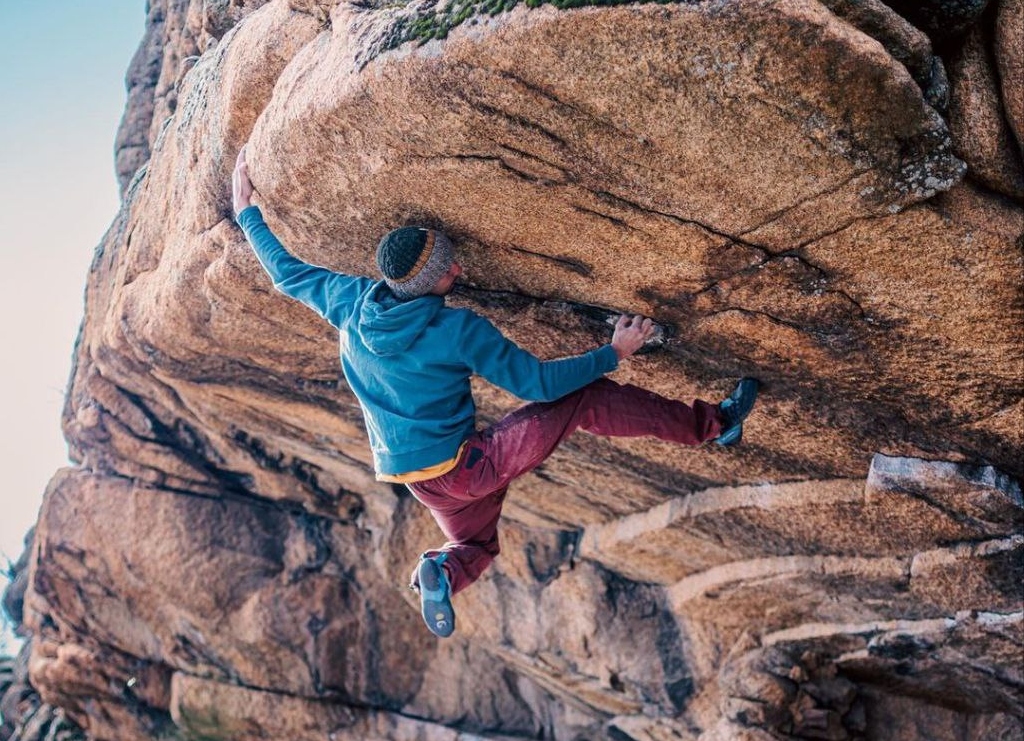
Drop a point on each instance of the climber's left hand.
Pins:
(241, 185)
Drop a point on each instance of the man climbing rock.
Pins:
(408, 358)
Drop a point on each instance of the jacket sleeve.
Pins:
(330, 294)
(493, 356)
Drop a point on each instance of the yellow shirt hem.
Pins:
(423, 474)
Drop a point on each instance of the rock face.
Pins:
(1009, 47)
(981, 133)
(778, 183)
(23, 714)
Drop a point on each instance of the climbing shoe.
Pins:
(735, 409)
(435, 595)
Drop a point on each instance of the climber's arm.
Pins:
(328, 293)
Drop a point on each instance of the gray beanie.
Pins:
(413, 260)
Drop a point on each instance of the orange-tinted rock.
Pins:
(107, 693)
(981, 134)
(1009, 51)
(766, 179)
(908, 45)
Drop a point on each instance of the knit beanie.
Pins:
(413, 260)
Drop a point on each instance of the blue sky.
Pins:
(62, 68)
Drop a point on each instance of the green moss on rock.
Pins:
(435, 22)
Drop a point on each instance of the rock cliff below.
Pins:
(818, 194)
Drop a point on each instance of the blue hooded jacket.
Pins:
(409, 362)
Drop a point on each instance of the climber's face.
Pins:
(447, 281)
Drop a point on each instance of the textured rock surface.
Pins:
(981, 133)
(775, 182)
(1009, 46)
(177, 32)
(23, 714)
(907, 44)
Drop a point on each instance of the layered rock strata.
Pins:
(796, 190)
(23, 714)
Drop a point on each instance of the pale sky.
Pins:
(62, 68)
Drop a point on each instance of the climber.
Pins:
(408, 359)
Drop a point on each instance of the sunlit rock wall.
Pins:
(822, 195)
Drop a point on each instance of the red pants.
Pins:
(466, 502)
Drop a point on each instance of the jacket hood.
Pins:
(389, 325)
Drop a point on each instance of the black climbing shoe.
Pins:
(735, 409)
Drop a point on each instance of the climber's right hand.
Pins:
(630, 334)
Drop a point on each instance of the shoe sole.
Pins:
(437, 611)
(731, 436)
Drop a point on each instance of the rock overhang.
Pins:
(758, 176)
